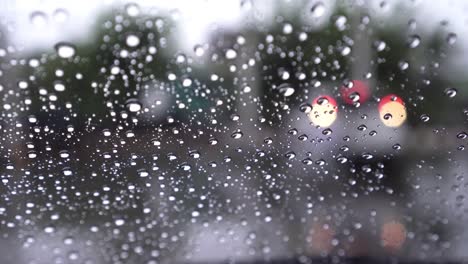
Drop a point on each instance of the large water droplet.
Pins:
(133, 105)
(65, 50)
(450, 92)
(286, 89)
(414, 41)
(38, 19)
(132, 40)
(318, 10)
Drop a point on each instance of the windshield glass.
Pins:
(233, 131)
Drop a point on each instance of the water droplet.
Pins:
(380, 45)
(65, 50)
(143, 173)
(342, 159)
(237, 135)
(362, 127)
(119, 222)
(462, 135)
(414, 41)
(133, 105)
(320, 162)
(186, 82)
(345, 50)
(38, 19)
(194, 154)
(327, 132)
(185, 167)
(451, 38)
(199, 51)
(49, 229)
(340, 23)
(286, 89)
(387, 116)
(61, 15)
(59, 86)
(424, 118)
(32, 154)
(287, 28)
(403, 65)
(305, 108)
(450, 92)
(318, 10)
(290, 155)
(64, 154)
(132, 40)
(132, 9)
(67, 172)
(231, 54)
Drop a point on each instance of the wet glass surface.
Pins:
(233, 131)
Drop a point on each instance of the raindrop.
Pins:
(231, 54)
(59, 87)
(199, 51)
(119, 222)
(380, 45)
(286, 90)
(38, 19)
(362, 127)
(462, 135)
(450, 92)
(305, 108)
(342, 160)
(290, 155)
(287, 28)
(414, 41)
(327, 132)
(65, 50)
(237, 135)
(132, 9)
(403, 65)
(318, 10)
(67, 172)
(425, 118)
(133, 105)
(61, 15)
(32, 155)
(185, 167)
(143, 173)
(194, 154)
(64, 154)
(340, 23)
(345, 50)
(132, 40)
(451, 38)
(320, 162)
(213, 141)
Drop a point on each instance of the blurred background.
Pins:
(233, 131)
